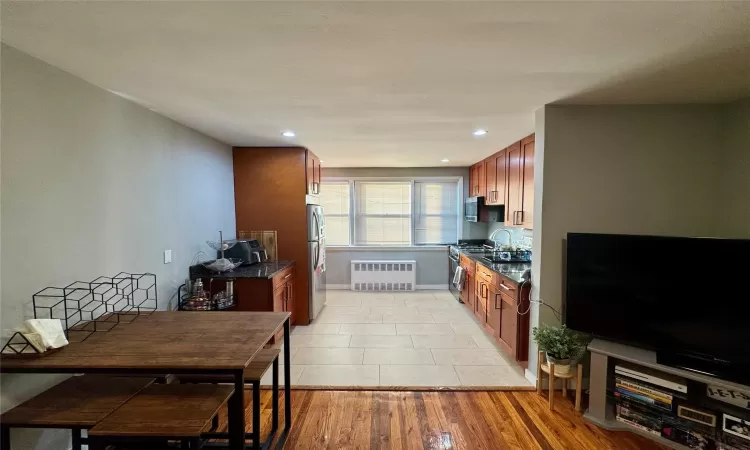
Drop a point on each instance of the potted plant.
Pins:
(560, 344)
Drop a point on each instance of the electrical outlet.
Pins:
(167, 256)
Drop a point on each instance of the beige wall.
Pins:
(93, 184)
(620, 169)
(735, 171)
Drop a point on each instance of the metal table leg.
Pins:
(236, 413)
(287, 377)
(4, 437)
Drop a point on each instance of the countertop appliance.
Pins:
(316, 252)
(248, 250)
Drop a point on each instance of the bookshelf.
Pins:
(604, 355)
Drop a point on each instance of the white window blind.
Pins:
(436, 212)
(335, 200)
(383, 213)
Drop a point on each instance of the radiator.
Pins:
(384, 275)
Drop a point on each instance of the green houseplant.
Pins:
(561, 346)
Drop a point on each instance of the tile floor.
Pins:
(423, 338)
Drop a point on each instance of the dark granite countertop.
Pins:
(264, 270)
(512, 271)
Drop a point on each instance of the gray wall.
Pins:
(735, 171)
(93, 184)
(619, 169)
(432, 265)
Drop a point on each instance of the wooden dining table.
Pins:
(170, 342)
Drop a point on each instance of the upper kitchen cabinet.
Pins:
(519, 206)
(495, 171)
(477, 180)
(313, 174)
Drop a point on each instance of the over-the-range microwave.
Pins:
(476, 211)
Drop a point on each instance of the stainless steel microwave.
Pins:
(472, 206)
(476, 211)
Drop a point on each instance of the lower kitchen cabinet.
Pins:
(502, 307)
(267, 294)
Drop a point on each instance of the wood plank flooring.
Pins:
(377, 420)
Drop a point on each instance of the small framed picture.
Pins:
(736, 426)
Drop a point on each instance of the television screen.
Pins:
(670, 294)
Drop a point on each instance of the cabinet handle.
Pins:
(506, 287)
(496, 296)
(287, 276)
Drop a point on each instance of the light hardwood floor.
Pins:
(439, 420)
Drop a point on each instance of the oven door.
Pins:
(453, 266)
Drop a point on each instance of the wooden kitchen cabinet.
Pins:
(314, 172)
(467, 294)
(503, 309)
(267, 294)
(519, 206)
(527, 198)
(477, 180)
(495, 171)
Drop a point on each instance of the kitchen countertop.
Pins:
(512, 271)
(265, 270)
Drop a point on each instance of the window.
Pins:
(383, 213)
(436, 212)
(391, 212)
(335, 200)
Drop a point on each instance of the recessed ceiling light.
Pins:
(288, 133)
(322, 161)
(445, 160)
(479, 132)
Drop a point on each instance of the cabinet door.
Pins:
(515, 184)
(473, 181)
(313, 174)
(526, 217)
(490, 180)
(508, 325)
(467, 295)
(494, 305)
(289, 302)
(500, 161)
(482, 179)
(279, 299)
(480, 307)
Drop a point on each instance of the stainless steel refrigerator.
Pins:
(316, 254)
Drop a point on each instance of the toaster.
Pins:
(248, 250)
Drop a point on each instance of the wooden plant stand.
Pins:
(549, 369)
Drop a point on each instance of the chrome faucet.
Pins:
(510, 236)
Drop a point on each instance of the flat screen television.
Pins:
(686, 298)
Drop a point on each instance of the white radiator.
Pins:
(384, 275)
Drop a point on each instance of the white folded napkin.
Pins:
(44, 334)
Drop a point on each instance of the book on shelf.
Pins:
(642, 399)
(642, 389)
(637, 425)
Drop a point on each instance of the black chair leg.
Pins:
(256, 415)
(4, 437)
(275, 396)
(77, 442)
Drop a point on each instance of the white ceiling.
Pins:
(388, 83)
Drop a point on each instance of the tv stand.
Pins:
(603, 356)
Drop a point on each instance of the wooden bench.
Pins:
(253, 373)
(78, 403)
(162, 412)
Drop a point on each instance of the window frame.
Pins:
(459, 180)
